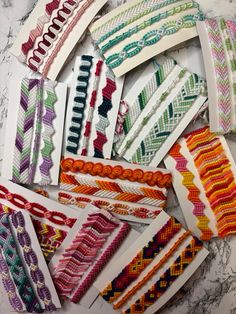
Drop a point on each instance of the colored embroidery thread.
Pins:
(79, 104)
(131, 272)
(194, 192)
(152, 178)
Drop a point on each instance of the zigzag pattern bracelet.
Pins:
(32, 261)
(9, 250)
(167, 279)
(107, 189)
(131, 272)
(79, 104)
(103, 110)
(152, 178)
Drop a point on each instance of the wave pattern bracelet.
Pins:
(32, 260)
(151, 178)
(131, 272)
(103, 110)
(9, 250)
(38, 30)
(167, 279)
(153, 37)
(79, 104)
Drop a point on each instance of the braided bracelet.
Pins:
(47, 134)
(79, 104)
(88, 123)
(152, 178)
(103, 110)
(131, 272)
(51, 35)
(38, 30)
(9, 250)
(153, 37)
(31, 259)
(148, 23)
(9, 285)
(167, 279)
(36, 209)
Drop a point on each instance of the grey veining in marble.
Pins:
(212, 289)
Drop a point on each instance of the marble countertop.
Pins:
(212, 289)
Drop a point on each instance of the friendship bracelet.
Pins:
(144, 257)
(169, 120)
(101, 262)
(148, 23)
(65, 34)
(52, 33)
(127, 17)
(214, 166)
(116, 208)
(147, 92)
(194, 192)
(9, 250)
(167, 279)
(79, 104)
(153, 110)
(103, 110)
(38, 30)
(77, 259)
(47, 134)
(107, 189)
(36, 209)
(9, 286)
(154, 270)
(153, 37)
(30, 98)
(152, 178)
(31, 259)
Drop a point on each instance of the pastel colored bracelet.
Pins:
(79, 104)
(9, 250)
(127, 17)
(31, 259)
(194, 192)
(103, 110)
(147, 23)
(153, 37)
(167, 279)
(88, 123)
(47, 120)
(171, 117)
(107, 189)
(36, 209)
(38, 30)
(9, 286)
(144, 257)
(152, 178)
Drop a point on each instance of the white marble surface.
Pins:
(213, 287)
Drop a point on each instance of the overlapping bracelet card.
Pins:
(131, 192)
(52, 31)
(92, 109)
(52, 221)
(153, 269)
(160, 105)
(218, 38)
(92, 242)
(34, 131)
(139, 30)
(23, 271)
(204, 178)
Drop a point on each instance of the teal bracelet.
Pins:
(152, 37)
(147, 23)
(133, 17)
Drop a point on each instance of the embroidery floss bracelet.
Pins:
(79, 104)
